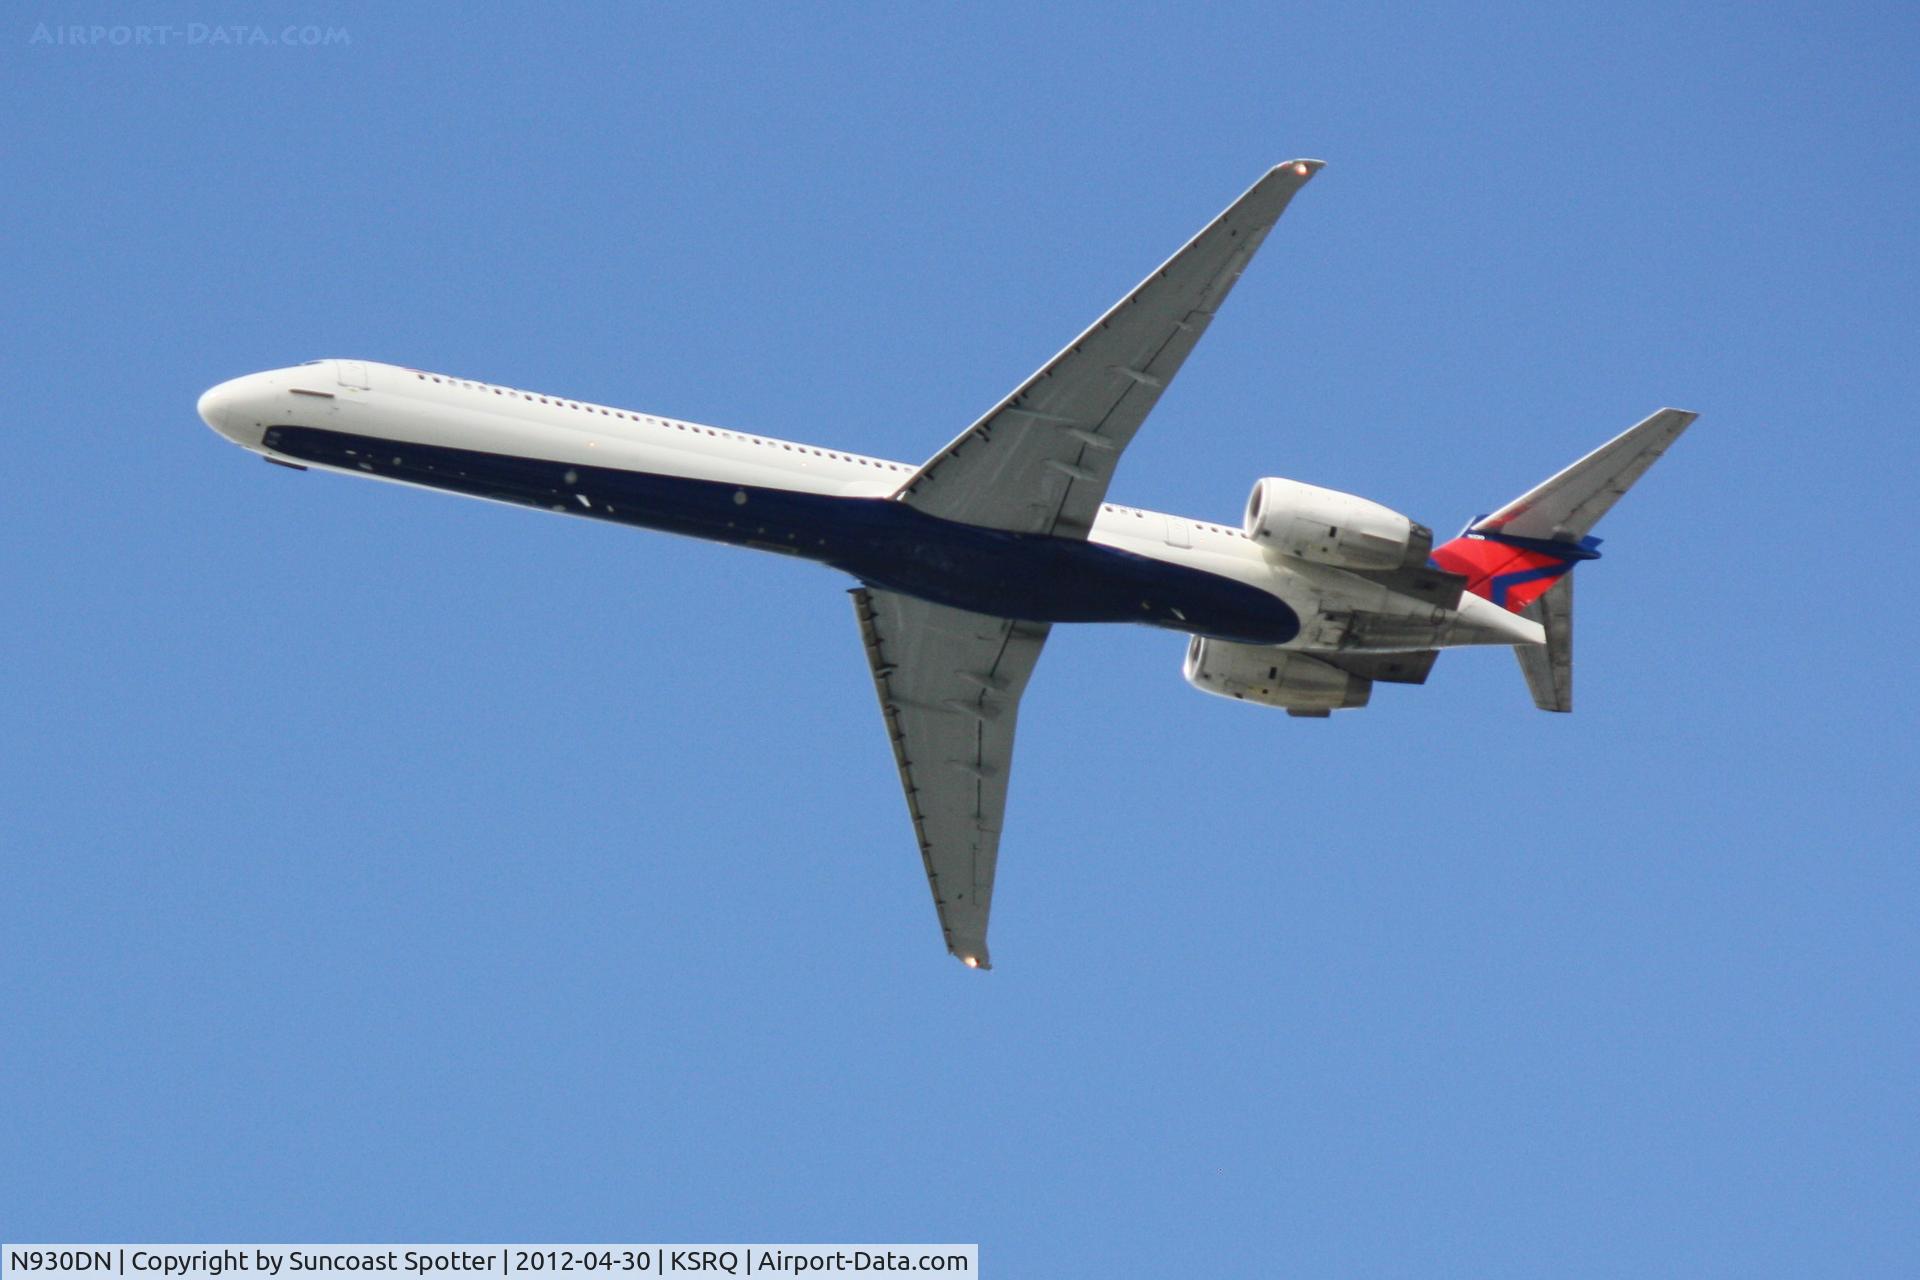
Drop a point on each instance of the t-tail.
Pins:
(1522, 556)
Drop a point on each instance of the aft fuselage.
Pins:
(598, 462)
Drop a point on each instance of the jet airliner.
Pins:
(965, 561)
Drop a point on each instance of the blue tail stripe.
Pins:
(1500, 585)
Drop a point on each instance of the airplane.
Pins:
(966, 561)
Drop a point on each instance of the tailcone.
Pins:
(1480, 621)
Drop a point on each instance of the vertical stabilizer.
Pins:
(1522, 556)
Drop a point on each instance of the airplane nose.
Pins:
(216, 403)
(236, 407)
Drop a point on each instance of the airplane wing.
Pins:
(950, 683)
(1040, 461)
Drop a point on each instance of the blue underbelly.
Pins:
(883, 543)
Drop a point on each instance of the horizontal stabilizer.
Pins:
(1565, 508)
(1549, 667)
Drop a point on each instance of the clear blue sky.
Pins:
(382, 865)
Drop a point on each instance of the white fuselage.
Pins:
(395, 407)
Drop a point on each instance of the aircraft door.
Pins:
(1179, 532)
(352, 373)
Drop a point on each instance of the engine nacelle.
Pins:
(1273, 677)
(1333, 528)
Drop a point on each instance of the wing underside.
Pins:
(1041, 460)
(949, 684)
(949, 681)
